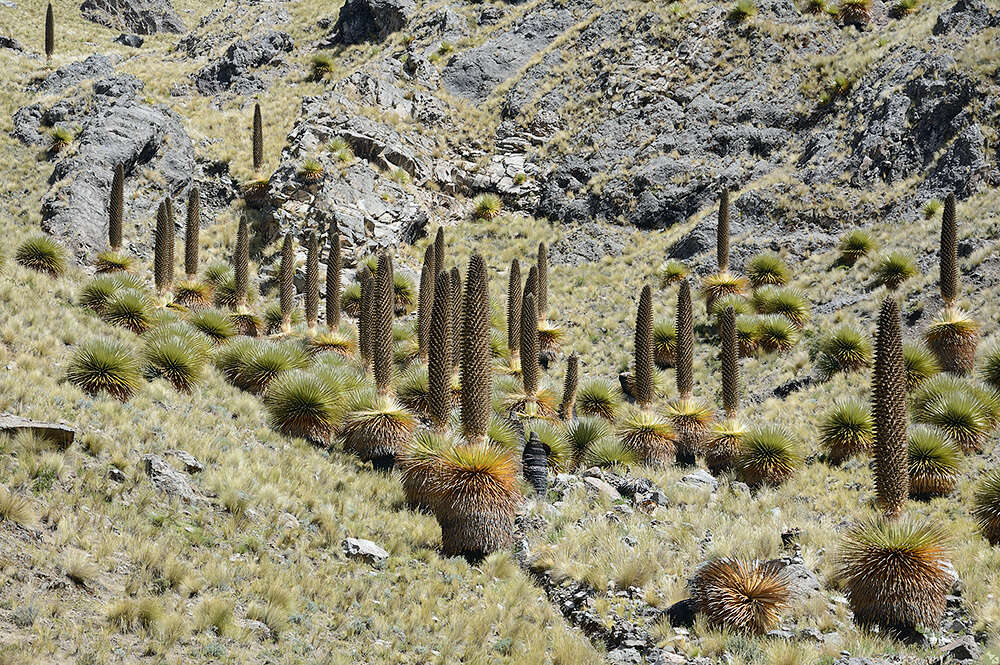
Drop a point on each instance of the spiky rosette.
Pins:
(748, 335)
(893, 269)
(475, 371)
(583, 432)
(273, 318)
(671, 272)
(113, 262)
(559, 451)
(474, 495)
(740, 595)
(193, 294)
(896, 574)
(767, 270)
(855, 12)
(934, 463)
(690, 419)
(417, 462)
(776, 334)
(550, 337)
(664, 343)
(946, 386)
(649, 437)
(246, 323)
(846, 431)
(685, 341)
(721, 285)
(104, 365)
(920, 365)
(960, 417)
(952, 338)
(789, 303)
(854, 245)
(213, 324)
(177, 355)
(260, 363)
(721, 447)
(889, 446)
(335, 341)
(608, 453)
(599, 398)
(769, 456)
(42, 254)
(130, 309)
(377, 429)
(414, 391)
(844, 350)
(644, 349)
(301, 403)
(986, 506)
(566, 406)
(95, 294)
(333, 267)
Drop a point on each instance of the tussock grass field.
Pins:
(97, 566)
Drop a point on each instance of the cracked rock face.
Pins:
(233, 72)
(143, 17)
(370, 20)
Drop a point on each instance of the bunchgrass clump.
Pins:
(743, 10)
(960, 417)
(16, 508)
(311, 170)
(846, 349)
(42, 254)
(934, 463)
(740, 595)
(895, 574)
(107, 366)
(846, 431)
(767, 270)
(769, 456)
(893, 269)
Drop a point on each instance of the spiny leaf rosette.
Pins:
(333, 341)
(417, 463)
(105, 366)
(986, 506)
(721, 285)
(176, 354)
(300, 403)
(952, 338)
(664, 343)
(934, 463)
(582, 432)
(193, 294)
(377, 430)
(598, 398)
(958, 415)
(769, 456)
(722, 445)
(108, 262)
(920, 365)
(844, 350)
(474, 495)
(745, 596)
(608, 453)
(649, 437)
(846, 431)
(690, 419)
(896, 574)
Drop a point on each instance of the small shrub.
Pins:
(932, 207)
(105, 366)
(582, 432)
(960, 417)
(664, 343)
(15, 508)
(323, 64)
(60, 137)
(42, 254)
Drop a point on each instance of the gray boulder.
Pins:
(143, 17)
(364, 550)
(11, 44)
(167, 479)
(132, 41)
(966, 17)
(370, 20)
(96, 66)
(61, 435)
(232, 72)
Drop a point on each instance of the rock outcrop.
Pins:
(370, 20)
(233, 71)
(143, 17)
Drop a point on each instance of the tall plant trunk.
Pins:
(569, 388)
(685, 342)
(333, 267)
(729, 356)
(644, 349)
(514, 296)
(889, 451)
(312, 283)
(191, 231)
(116, 209)
(439, 355)
(382, 316)
(475, 371)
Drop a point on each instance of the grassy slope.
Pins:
(234, 549)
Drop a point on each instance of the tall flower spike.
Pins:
(949, 252)
(514, 311)
(729, 356)
(455, 283)
(543, 281)
(889, 451)
(241, 265)
(168, 258)
(529, 345)
(439, 355)
(116, 209)
(286, 283)
(685, 342)
(258, 139)
(475, 370)
(722, 232)
(425, 300)
(439, 250)
(644, 349)
(50, 33)
(160, 249)
(333, 265)
(365, 316)
(381, 326)
(312, 282)
(531, 283)
(569, 388)
(191, 230)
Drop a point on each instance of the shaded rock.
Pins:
(682, 613)
(364, 550)
(117, 475)
(963, 649)
(701, 479)
(11, 44)
(166, 479)
(190, 462)
(602, 487)
(96, 66)
(370, 20)
(144, 17)
(966, 17)
(60, 435)
(133, 41)
(586, 244)
(232, 72)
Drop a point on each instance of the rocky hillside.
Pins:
(184, 527)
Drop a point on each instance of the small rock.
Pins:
(288, 522)
(370, 20)
(258, 628)
(365, 550)
(602, 487)
(701, 479)
(166, 479)
(191, 464)
(682, 613)
(962, 649)
(60, 435)
(116, 474)
(133, 41)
